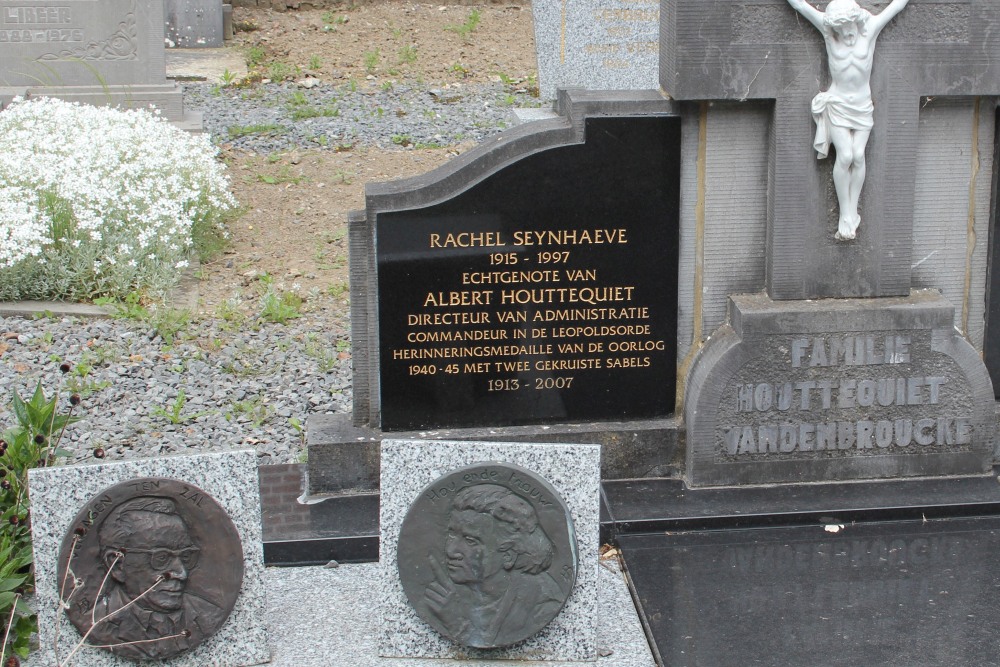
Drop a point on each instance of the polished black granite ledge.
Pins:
(914, 593)
(345, 528)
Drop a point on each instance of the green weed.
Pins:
(338, 289)
(407, 54)
(255, 410)
(255, 56)
(372, 59)
(284, 175)
(279, 71)
(280, 307)
(464, 30)
(301, 113)
(31, 442)
(324, 356)
(175, 412)
(236, 131)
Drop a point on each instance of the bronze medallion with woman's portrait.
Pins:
(150, 568)
(487, 554)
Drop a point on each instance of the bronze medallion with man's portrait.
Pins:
(487, 554)
(154, 568)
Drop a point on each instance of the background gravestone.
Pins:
(193, 23)
(408, 466)
(59, 493)
(106, 53)
(596, 44)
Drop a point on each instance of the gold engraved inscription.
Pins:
(529, 313)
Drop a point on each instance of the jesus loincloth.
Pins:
(831, 111)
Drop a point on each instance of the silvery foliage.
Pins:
(97, 201)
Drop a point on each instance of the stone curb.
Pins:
(184, 296)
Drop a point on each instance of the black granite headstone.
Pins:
(546, 292)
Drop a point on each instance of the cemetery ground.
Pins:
(297, 200)
(261, 339)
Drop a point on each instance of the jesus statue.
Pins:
(844, 112)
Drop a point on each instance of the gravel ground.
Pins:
(275, 117)
(212, 387)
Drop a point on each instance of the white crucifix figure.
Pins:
(844, 112)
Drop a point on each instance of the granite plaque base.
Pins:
(573, 470)
(818, 391)
(344, 459)
(57, 494)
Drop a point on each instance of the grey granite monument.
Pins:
(193, 23)
(819, 380)
(106, 53)
(766, 51)
(596, 44)
(800, 356)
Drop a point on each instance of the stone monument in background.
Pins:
(662, 273)
(102, 53)
(596, 44)
(659, 272)
(193, 23)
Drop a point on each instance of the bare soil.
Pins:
(295, 222)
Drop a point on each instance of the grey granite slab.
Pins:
(321, 617)
(573, 470)
(597, 44)
(58, 493)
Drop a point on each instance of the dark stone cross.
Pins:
(764, 50)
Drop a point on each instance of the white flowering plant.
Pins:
(100, 202)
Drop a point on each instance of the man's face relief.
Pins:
(166, 546)
(471, 547)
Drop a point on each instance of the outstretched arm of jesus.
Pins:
(814, 15)
(876, 23)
